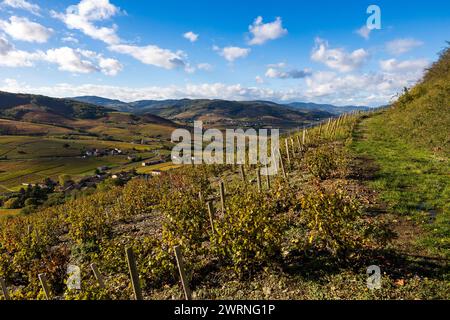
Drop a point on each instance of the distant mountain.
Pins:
(103, 102)
(220, 113)
(26, 114)
(326, 107)
(45, 109)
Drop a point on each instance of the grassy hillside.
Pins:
(220, 113)
(409, 145)
(17, 106)
(422, 114)
(237, 113)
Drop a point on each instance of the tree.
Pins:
(64, 178)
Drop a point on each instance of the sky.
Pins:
(284, 51)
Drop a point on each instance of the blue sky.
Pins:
(280, 50)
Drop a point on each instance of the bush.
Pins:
(12, 203)
(325, 161)
(333, 220)
(31, 202)
(249, 234)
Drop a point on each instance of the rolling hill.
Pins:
(151, 105)
(326, 107)
(221, 113)
(25, 114)
(46, 109)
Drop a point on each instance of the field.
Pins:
(28, 159)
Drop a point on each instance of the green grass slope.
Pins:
(422, 114)
(409, 143)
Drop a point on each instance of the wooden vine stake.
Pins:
(282, 166)
(211, 216)
(267, 177)
(98, 276)
(258, 179)
(242, 173)
(133, 274)
(222, 196)
(44, 283)
(181, 269)
(292, 147)
(287, 152)
(299, 144)
(4, 289)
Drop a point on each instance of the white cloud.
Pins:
(22, 4)
(11, 57)
(110, 67)
(82, 61)
(322, 87)
(400, 46)
(276, 73)
(263, 32)
(191, 36)
(338, 59)
(259, 80)
(83, 15)
(67, 59)
(70, 60)
(204, 66)
(232, 53)
(152, 55)
(25, 30)
(69, 38)
(277, 65)
(393, 65)
(364, 32)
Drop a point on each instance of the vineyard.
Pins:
(308, 233)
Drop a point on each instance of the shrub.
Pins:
(12, 203)
(31, 202)
(249, 234)
(333, 220)
(325, 161)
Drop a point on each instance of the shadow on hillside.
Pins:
(395, 264)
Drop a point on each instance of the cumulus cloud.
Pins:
(191, 36)
(82, 61)
(400, 46)
(263, 32)
(393, 65)
(364, 32)
(232, 53)
(84, 15)
(70, 60)
(371, 89)
(23, 29)
(338, 58)
(152, 55)
(259, 80)
(67, 59)
(204, 66)
(22, 4)
(69, 39)
(12, 57)
(276, 73)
